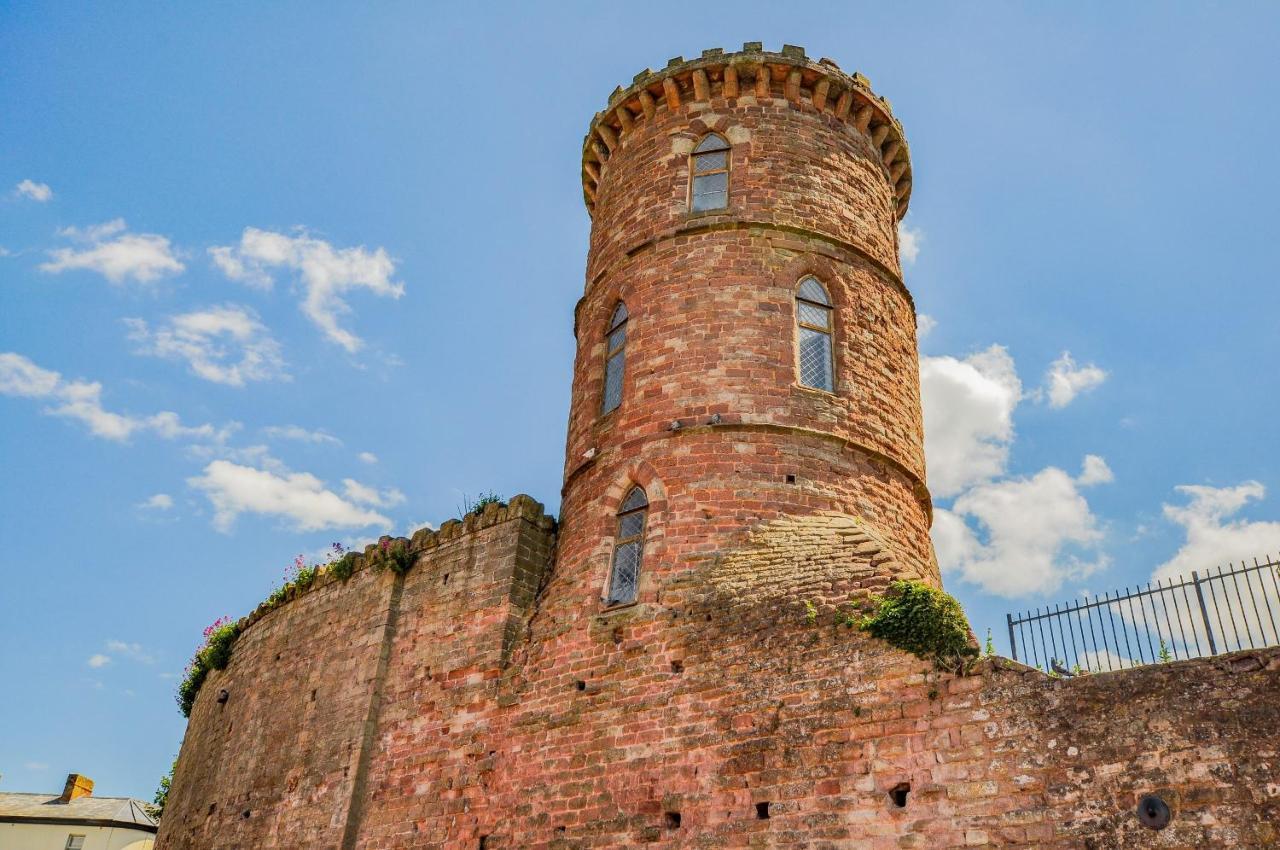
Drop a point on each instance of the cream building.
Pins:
(74, 820)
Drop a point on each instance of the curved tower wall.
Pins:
(819, 177)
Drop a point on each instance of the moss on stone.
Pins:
(923, 620)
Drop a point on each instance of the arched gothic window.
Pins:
(813, 335)
(624, 576)
(615, 358)
(709, 175)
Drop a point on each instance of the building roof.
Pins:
(86, 811)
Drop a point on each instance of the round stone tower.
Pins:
(746, 346)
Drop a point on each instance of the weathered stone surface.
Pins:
(487, 698)
(715, 700)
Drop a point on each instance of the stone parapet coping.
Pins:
(752, 72)
(423, 540)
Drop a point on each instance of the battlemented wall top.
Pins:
(422, 541)
(752, 72)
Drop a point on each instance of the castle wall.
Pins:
(327, 691)
(594, 731)
(275, 764)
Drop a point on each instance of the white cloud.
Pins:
(166, 424)
(158, 502)
(94, 232)
(20, 377)
(300, 498)
(256, 455)
(1215, 540)
(368, 457)
(226, 259)
(39, 192)
(1095, 471)
(1065, 380)
(226, 345)
(1213, 537)
(115, 254)
(925, 325)
(98, 660)
(35, 766)
(134, 651)
(325, 274)
(300, 434)
(82, 400)
(968, 417)
(366, 495)
(1009, 536)
(909, 241)
(1039, 532)
(1104, 661)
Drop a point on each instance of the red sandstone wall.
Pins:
(274, 764)
(322, 686)
(711, 298)
(528, 724)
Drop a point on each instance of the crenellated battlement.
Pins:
(423, 541)
(750, 73)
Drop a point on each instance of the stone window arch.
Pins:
(628, 548)
(615, 358)
(709, 174)
(814, 352)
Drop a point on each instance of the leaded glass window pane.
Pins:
(635, 499)
(614, 359)
(628, 547)
(710, 201)
(619, 315)
(811, 290)
(811, 314)
(717, 161)
(613, 381)
(631, 525)
(711, 191)
(626, 570)
(707, 184)
(815, 359)
(709, 175)
(712, 142)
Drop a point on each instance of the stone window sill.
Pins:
(815, 392)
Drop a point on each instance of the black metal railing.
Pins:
(1223, 611)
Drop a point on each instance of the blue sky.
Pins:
(274, 276)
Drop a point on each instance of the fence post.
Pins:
(1204, 613)
(1013, 644)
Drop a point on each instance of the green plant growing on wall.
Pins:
(343, 568)
(810, 613)
(214, 654)
(925, 621)
(156, 809)
(483, 501)
(1165, 655)
(989, 647)
(392, 555)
